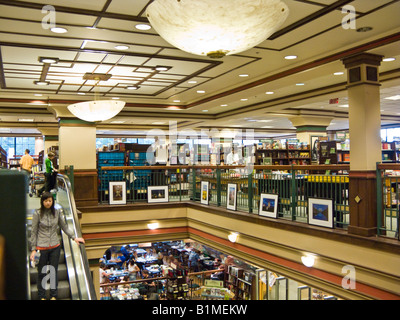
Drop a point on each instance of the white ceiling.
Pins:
(313, 32)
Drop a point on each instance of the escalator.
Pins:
(74, 278)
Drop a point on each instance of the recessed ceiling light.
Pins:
(132, 87)
(224, 105)
(290, 57)
(343, 106)
(142, 26)
(38, 95)
(121, 47)
(389, 59)
(192, 81)
(338, 73)
(244, 99)
(158, 122)
(59, 30)
(243, 75)
(201, 91)
(176, 101)
(81, 93)
(162, 68)
(299, 84)
(269, 92)
(265, 120)
(117, 121)
(394, 98)
(364, 29)
(205, 110)
(173, 108)
(115, 98)
(48, 60)
(41, 83)
(25, 120)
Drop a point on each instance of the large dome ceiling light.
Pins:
(96, 110)
(216, 28)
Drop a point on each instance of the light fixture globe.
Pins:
(216, 28)
(97, 110)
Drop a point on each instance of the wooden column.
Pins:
(365, 142)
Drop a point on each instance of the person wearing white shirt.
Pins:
(232, 158)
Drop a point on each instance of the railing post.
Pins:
(194, 183)
(70, 174)
(218, 171)
(293, 201)
(379, 202)
(250, 189)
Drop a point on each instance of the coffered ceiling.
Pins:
(256, 89)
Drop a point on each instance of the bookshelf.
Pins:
(241, 283)
(3, 158)
(283, 153)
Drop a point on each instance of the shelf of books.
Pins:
(283, 152)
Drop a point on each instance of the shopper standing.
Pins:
(49, 179)
(26, 162)
(44, 237)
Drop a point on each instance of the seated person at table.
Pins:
(194, 260)
(220, 274)
(125, 252)
(120, 260)
(217, 262)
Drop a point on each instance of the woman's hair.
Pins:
(45, 196)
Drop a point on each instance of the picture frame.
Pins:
(204, 192)
(117, 192)
(156, 194)
(231, 196)
(320, 212)
(268, 205)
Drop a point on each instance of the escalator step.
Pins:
(62, 273)
(64, 292)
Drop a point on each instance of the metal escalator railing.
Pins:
(81, 282)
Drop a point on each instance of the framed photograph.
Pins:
(117, 192)
(204, 193)
(231, 196)
(157, 194)
(268, 205)
(320, 212)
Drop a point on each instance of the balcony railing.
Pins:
(293, 185)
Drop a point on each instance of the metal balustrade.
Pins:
(293, 185)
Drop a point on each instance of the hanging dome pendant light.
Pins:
(96, 110)
(216, 28)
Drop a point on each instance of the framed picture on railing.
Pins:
(268, 205)
(231, 196)
(205, 191)
(157, 194)
(320, 212)
(117, 192)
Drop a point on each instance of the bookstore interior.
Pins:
(333, 149)
(188, 270)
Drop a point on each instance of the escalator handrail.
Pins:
(83, 254)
